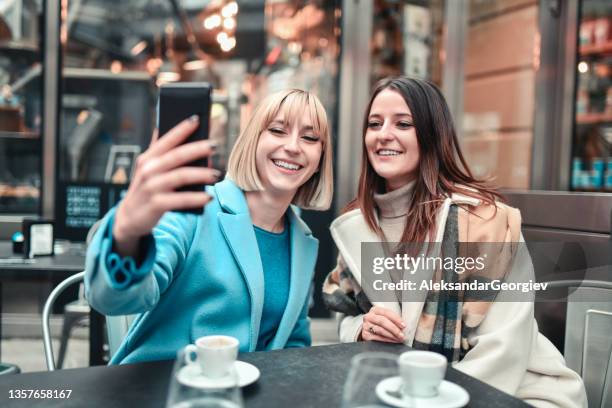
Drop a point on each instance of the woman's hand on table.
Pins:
(382, 324)
(160, 170)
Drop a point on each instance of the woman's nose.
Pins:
(385, 133)
(292, 145)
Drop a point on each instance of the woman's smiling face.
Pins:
(391, 140)
(287, 154)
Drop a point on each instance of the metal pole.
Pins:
(355, 68)
(456, 14)
(51, 104)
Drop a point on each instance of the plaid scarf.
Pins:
(447, 317)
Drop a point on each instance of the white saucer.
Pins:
(191, 376)
(450, 395)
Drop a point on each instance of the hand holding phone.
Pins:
(160, 172)
(180, 100)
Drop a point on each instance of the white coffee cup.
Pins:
(421, 372)
(215, 355)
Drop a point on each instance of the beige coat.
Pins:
(506, 350)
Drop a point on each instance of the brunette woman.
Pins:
(415, 187)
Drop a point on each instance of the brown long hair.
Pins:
(442, 170)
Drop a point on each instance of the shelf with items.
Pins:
(18, 197)
(592, 158)
(18, 46)
(594, 49)
(19, 191)
(593, 118)
(25, 135)
(593, 175)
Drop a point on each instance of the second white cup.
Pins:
(215, 355)
(421, 372)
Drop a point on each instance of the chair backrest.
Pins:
(48, 346)
(116, 329)
(588, 343)
(116, 326)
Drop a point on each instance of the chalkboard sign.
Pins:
(80, 205)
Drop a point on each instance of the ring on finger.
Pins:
(371, 330)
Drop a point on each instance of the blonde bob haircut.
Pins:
(316, 193)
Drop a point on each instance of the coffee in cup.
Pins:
(421, 372)
(215, 355)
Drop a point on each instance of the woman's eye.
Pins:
(309, 138)
(373, 124)
(404, 125)
(276, 131)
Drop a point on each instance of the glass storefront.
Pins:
(407, 39)
(20, 107)
(592, 144)
(115, 54)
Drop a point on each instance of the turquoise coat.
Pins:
(201, 275)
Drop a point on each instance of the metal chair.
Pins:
(6, 368)
(116, 330)
(75, 312)
(116, 326)
(588, 344)
(76, 278)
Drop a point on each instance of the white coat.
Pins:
(506, 350)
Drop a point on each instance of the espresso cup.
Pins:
(215, 355)
(421, 372)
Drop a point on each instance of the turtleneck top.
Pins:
(392, 210)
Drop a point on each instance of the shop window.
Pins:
(20, 107)
(407, 39)
(592, 145)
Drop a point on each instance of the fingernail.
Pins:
(403, 325)
(194, 118)
(217, 173)
(213, 145)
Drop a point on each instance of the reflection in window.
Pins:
(20, 107)
(407, 39)
(592, 148)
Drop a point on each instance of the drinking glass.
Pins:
(190, 389)
(367, 371)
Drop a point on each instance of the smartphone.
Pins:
(177, 102)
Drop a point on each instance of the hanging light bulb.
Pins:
(116, 67)
(230, 9)
(212, 21)
(222, 37)
(229, 23)
(138, 48)
(194, 65)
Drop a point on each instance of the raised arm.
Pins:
(129, 264)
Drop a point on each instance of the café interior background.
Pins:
(528, 82)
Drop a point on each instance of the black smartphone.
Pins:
(178, 101)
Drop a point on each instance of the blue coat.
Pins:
(201, 275)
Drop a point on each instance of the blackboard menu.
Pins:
(80, 205)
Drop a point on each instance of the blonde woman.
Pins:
(243, 267)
